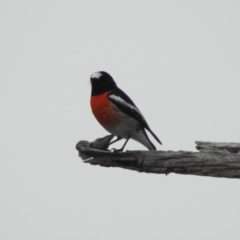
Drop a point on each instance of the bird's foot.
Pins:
(114, 150)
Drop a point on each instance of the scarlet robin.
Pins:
(117, 113)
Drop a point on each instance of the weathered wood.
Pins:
(214, 159)
(213, 146)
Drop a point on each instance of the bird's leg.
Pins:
(118, 138)
(121, 149)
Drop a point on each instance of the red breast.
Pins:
(103, 110)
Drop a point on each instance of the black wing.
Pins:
(126, 105)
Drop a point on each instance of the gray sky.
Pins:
(178, 60)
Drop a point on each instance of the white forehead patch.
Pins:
(96, 75)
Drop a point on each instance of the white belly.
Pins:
(129, 127)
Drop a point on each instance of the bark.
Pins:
(213, 159)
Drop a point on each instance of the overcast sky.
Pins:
(180, 63)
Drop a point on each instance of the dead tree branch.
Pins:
(213, 159)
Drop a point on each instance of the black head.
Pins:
(102, 82)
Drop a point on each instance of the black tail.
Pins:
(154, 135)
(151, 144)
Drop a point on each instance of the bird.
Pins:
(117, 113)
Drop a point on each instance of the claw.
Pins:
(114, 150)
